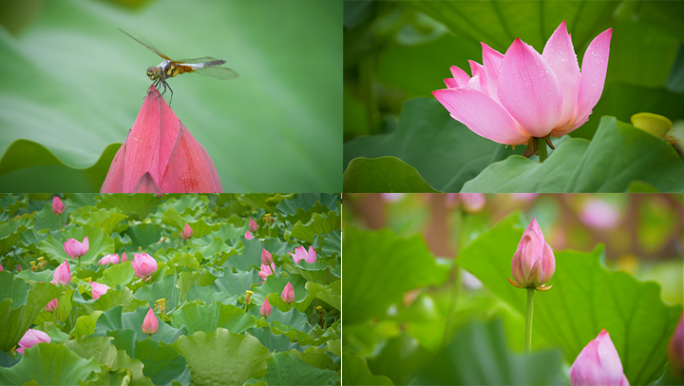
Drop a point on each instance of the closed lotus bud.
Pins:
(266, 308)
(288, 293)
(98, 289)
(57, 206)
(18, 268)
(150, 323)
(533, 263)
(675, 350)
(124, 257)
(32, 338)
(248, 235)
(144, 265)
(52, 305)
(1, 269)
(266, 257)
(265, 271)
(252, 225)
(62, 274)
(76, 249)
(109, 259)
(187, 232)
(598, 364)
(160, 155)
(302, 254)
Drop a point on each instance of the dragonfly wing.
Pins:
(199, 60)
(222, 73)
(146, 44)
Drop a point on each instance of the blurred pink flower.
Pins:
(144, 265)
(57, 206)
(301, 253)
(599, 214)
(32, 338)
(473, 202)
(265, 271)
(150, 323)
(533, 263)
(252, 225)
(266, 257)
(109, 259)
(52, 305)
(392, 197)
(288, 295)
(124, 257)
(266, 308)
(62, 274)
(1, 269)
(523, 94)
(248, 235)
(18, 268)
(598, 364)
(527, 197)
(76, 249)
(187, 232)
(675, 350)
(98, 289)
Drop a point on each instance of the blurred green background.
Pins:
(72, 85)
(396, 51)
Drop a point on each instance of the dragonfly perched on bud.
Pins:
(205, 66)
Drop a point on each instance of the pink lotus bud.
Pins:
(252, 225)
(124, 257)
(160, 155)
(109, 259)
(599, 214)
(675, 350)
(32, 338)
(266, 257)
(187, 232)
(62, 274)
(598, 364)
(76, 249)
(98, 289)
(248, 235)
(150, 323)
(533, 263)
(265, 271)
(266, 308)
(54, 303)
(144, 265)
(288, 295)
(473, 202)
(57, 206)
(522, 94)
(301, 253)
(18, 268)
(1, 269)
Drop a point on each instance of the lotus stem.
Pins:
(528, 321)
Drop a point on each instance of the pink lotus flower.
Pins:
(266, 257)
(301, 253)
(144, 265)
(109, 259)
(248, 235)
(62, 274)
(1, 269)
(598, 364)
(160, 155)
(32, 338)
(522, 94)
(473, 202)
(265, 271)
(187, 232)
(76, 249)
(533, 263)
(288, 295)
(599, 214)
(57, 206)
(150, 323)
(98, 289)
(124, 257)
(18, 268)
(54, 303)
(266, 308)
(675, 350)
(252, 225)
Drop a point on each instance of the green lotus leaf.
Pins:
(319, 224)
(114, 319)
(163, 289)
(99, 245)
(50, 364)
(10, 233)
(196, 316)
(355, 370)
(289, 370)
(135, 206)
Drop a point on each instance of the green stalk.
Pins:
(456, 272)
(528, 321)
(541, 146)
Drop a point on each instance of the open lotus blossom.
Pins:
(57, 206)
(248, 235)
(144, 265)
(288, 294)
(598, 364)
(252, 225)
(265, 271)
(533, 263)
(675, 351)
(187, 232)
(109, 259)
(98, 289)
(160, 156)
(150, 323)
(62, 274)
(517, 96)
(266, 308)
(76, 249)
(32, 338)
(302, 254)
(266, 257)
(52, 305)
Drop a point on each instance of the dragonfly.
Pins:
(205, 66)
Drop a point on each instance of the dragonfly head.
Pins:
(153, 73)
